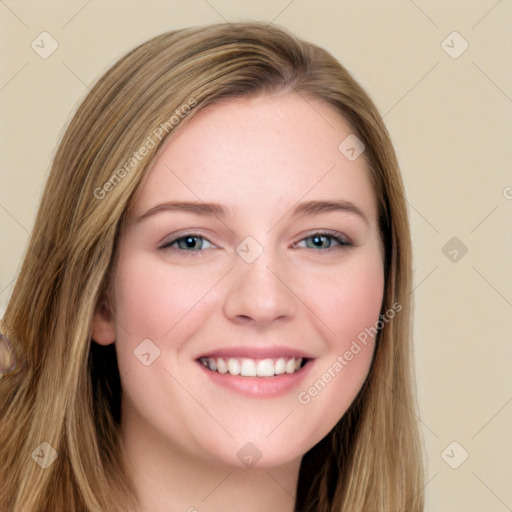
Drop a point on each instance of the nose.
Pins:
(259, 292)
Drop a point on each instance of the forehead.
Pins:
(266, 152)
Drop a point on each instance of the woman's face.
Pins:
(253, 247)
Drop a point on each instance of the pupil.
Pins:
(317, 240)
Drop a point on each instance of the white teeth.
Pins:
(233, 366)
(290, 366)
(279, 366)
(265, 368)
(247, 367)
(222, 367)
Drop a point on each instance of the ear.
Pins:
(103, 330)
(7, 357)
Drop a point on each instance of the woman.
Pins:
(214, 311)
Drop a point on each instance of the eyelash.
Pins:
(340, 239)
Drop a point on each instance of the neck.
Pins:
(168, 479)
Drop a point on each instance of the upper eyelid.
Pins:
(167, 241)
(342, 238)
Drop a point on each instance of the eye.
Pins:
(324, 241)
(188, 243)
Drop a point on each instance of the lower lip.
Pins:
(259, 387)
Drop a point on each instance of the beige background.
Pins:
(450, 121)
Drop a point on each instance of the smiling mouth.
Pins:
(248, 367)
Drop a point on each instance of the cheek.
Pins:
(152, 297)
(349, 300)
(349, 309)
(158, 302)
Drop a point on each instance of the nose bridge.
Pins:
(257, 273)
(255, 290)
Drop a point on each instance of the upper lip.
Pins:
(256, 352)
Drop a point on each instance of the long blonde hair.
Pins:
(65, 390)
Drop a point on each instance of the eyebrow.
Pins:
(217, 210)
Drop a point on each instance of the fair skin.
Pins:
(305, 295)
